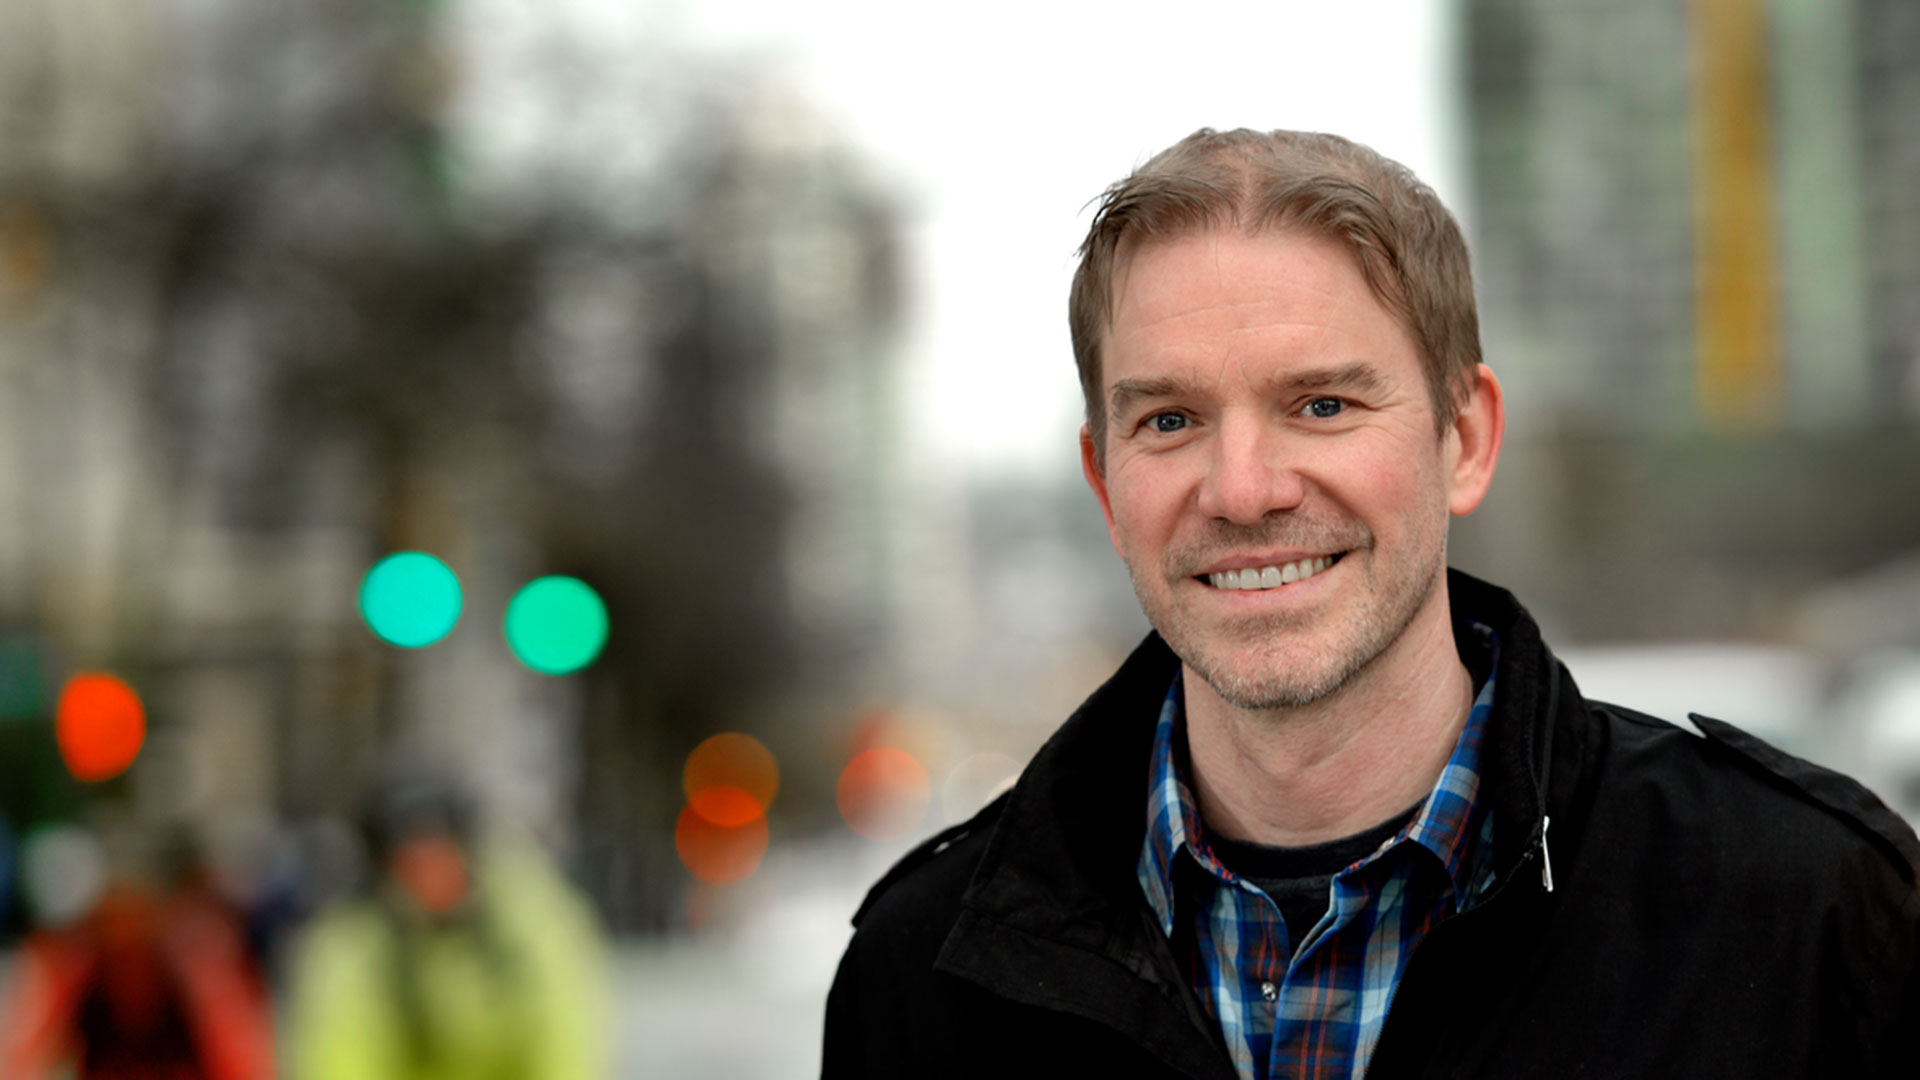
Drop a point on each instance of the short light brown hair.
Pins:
(1409, 247)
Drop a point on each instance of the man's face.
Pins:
(1273, 477)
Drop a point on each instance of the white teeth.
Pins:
(1269, 577)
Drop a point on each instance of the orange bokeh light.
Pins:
(100, 725)
(731, 778)
(719, 854)
(725, 805)
(883, 793)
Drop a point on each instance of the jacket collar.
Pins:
(1532, 694)
(1058, 873)
(1054, 917)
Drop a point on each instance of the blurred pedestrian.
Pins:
(137, 988)
(461, 960)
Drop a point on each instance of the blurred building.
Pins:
(275, 302)
(1599, 143)
(1695, 235)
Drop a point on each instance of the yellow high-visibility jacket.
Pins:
(519, 993)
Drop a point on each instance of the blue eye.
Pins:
(1167, 423)
(1325, 408)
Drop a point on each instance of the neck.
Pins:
(1332, 768)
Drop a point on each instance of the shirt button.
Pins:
(1269, 991)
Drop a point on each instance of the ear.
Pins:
(1475, 441)
(1097, 480)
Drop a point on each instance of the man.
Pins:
(1343, 813)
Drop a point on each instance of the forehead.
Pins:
(1223, 295)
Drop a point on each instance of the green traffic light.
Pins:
(556, 624)
(410, 599)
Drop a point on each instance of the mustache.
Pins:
(1191, 555)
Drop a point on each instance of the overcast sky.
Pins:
(1000, 120)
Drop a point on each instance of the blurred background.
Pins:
(705, 366)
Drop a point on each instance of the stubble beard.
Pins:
(1268, 662)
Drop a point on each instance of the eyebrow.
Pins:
(1126, 392)
(1358, 376)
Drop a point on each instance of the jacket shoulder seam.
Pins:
(1638, 718)
(1834, 792)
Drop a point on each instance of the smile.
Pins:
(1270, 577)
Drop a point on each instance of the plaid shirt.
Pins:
(1313, 1012)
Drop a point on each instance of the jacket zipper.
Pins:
(1546, 857)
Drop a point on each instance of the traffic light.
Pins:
(410, 599)
(556, 624)
(100, 724)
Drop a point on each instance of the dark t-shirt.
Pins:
(1298, 879)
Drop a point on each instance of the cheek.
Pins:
(1407, 491)
(1392, 485)
(1146, 507)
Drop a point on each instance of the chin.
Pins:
(1275, 682)
(1285, 664)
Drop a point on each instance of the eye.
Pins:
(1324, 408)
(1167, 423)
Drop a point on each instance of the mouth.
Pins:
(1273, 576)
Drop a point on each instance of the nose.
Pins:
(1249, 474)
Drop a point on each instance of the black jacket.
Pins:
(1667, 905)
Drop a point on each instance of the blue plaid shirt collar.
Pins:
(1439, 828)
